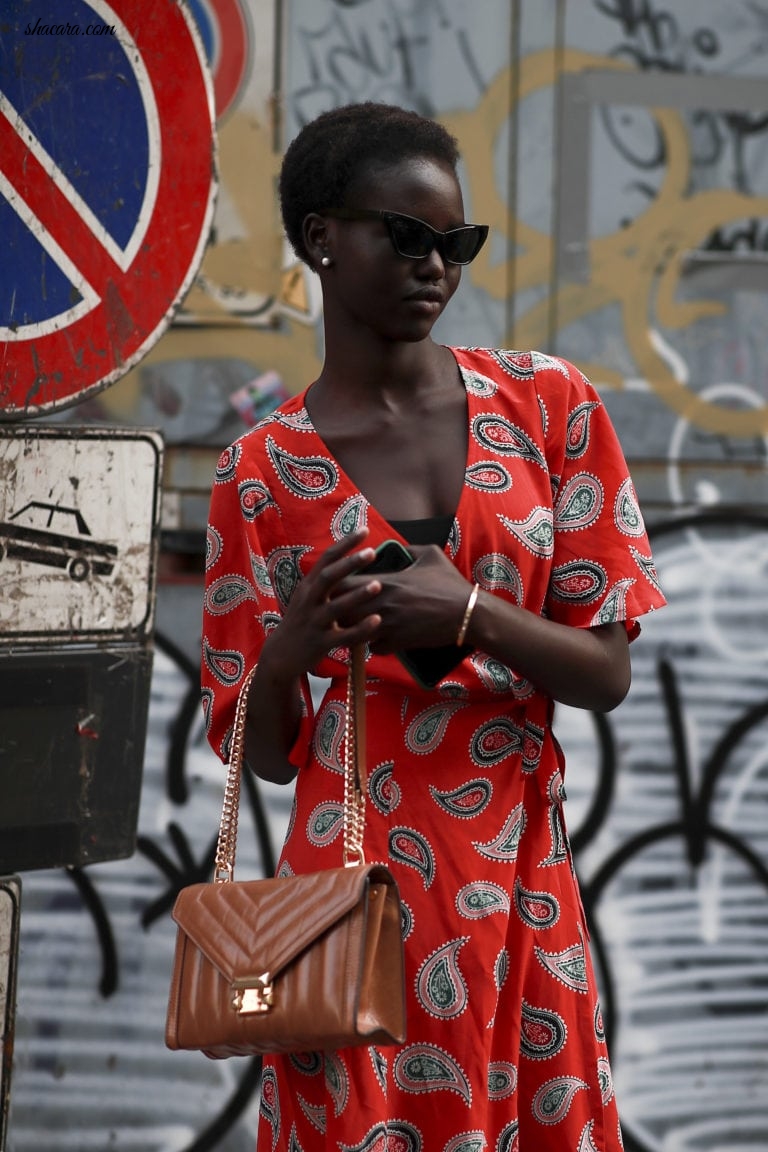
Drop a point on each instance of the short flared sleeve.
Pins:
(246, 590)
(602, 567)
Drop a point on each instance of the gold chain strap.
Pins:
(355, 779)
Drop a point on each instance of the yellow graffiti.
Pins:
(637, 268)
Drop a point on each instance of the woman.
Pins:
(501, 473)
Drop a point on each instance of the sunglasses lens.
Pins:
(410, 237)
(463, 244)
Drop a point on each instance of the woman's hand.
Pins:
(326, 610)
(421, 606)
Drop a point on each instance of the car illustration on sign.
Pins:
(58, 537)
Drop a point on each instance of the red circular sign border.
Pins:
(44, 374)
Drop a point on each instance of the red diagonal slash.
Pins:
(54, 211)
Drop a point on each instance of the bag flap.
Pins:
(248, 927)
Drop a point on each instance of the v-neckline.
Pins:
(390, 530)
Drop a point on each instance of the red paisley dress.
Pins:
(505, 1049)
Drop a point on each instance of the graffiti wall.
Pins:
(619, 151)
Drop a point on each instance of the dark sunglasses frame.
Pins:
(433, 237)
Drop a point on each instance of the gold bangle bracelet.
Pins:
(467, 615)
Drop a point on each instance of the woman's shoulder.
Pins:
(551, 377)
(287, 426)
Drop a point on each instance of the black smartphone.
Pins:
(428, 666)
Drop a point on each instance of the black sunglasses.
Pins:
(415, 239)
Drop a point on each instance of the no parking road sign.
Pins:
(106, 189)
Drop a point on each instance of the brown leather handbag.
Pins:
(292, 964)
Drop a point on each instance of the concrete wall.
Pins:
(619, 149)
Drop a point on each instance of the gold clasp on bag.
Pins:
(259, 998)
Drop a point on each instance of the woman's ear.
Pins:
(315, 229)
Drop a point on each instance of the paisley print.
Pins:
(329, 736)
(536, 909)
(395, 1136)
(228, 461)
(383, 790)
(440, 986)
(298, 421)
(213, 546)
(553, 1100)
(411, 848)
(294, 1144)
(605, 1079)
(467, 801)
(226, 593)
(578, 582)
(647, 567)
(379, 1063)
(426, 1068)
(336, 1081)
(535, 532)
(558, 849)
(501, 969)
(269, 620)
(628, 516)
(505, 438)
(598, 1024)
(533, 744)
(352, 514)
(614, 606)
(569, 966)
(427, 730)
(479, 385)
(495, 675)
(505, 845)
(494, 741)
(308, 477)
(577, 439)
(542, 360)
(315, 1113)
(308, 1063)
(284, 572)
(579, 503)
(325, 823)
(269, 1102)
(506, 1049)
(586, 1143)
(543, 1034)
(496, 572)
(509, 1140)
(487, 476)
(454, 539)
(255, 498)
(502, 1080)
(227, 667)
(482, 898)
(518, 364)
(260, 575)
(466, 1142)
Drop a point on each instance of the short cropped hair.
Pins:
(334, 150)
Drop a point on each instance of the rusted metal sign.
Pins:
(106, 190)
(79, 519)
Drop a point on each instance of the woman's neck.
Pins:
(397, 373)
